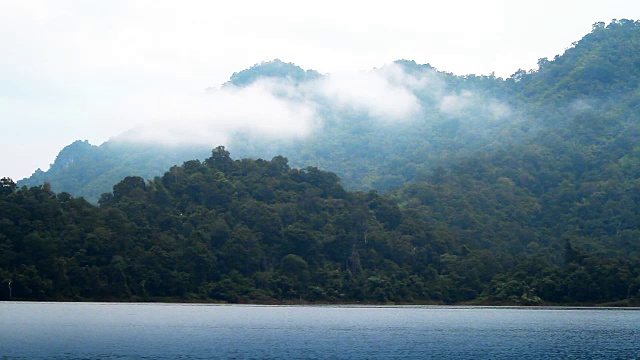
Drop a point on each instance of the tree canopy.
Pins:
(527, 200)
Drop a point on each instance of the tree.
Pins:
(220, 159)
(7, 186)
(131, 186)
(571, 255)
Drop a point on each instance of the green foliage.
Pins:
(88, 171)
(272, 69)
(7, 186)
(539, 206)
(222, 229)
(365, 152)
(602, 64)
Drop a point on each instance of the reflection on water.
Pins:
(181, 331)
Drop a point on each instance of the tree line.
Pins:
(259, 231)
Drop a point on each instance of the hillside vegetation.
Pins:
(524, 192)
(258, 231)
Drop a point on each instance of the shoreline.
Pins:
(573, 306)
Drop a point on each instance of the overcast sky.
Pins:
(76, 70)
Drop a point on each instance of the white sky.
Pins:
(73, 70)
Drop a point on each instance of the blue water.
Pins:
(181, 331)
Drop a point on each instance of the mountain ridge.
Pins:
(528, 199)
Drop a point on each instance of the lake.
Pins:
(186, 331)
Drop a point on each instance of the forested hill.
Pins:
(521, 191)
(259, 231)
(219, 229)
(574, 184)
(577, 176)
(273, 69)
(88, 171)
(458, 116)
(594, 82)
(602, 65)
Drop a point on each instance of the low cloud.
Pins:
(374, 93)
(424, 81)
(272, 108)
(281, 109)
(456, 104)
(210, 118)
(580, 106)
(472, 105)
(498, 109)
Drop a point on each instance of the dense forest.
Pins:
(592, 83)
(88, 171)
(259, 231)
(459, 115)
(528, 194)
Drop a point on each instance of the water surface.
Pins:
(185, 331)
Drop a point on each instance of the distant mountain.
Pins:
(457, 116)
(521, 191)
(272, 69)
(370, 144)
(603, 64)
(574, 184)
(88, 171)
(366, 150)
(256, 231)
